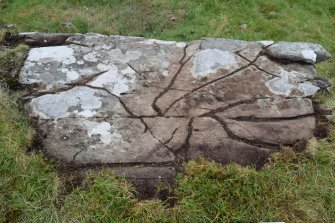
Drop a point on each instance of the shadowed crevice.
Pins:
(181, 65)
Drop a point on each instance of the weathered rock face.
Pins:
(129, 101)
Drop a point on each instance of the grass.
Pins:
(303, 20)
(293, 187)
(11, 61)
(28, 186)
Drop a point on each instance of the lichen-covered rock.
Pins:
(301, 52)
(135, 101)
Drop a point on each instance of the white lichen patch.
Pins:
(54, 53)
(210, 60)
(116, 81)
(181, 44)
(71, 74)
(54, 67)
(105, 67)
(308, 88)
(290, 83)
(160, 42)
(309, 55)
(279, 86)
(128, 71)
(79, 101)
(116, 55)
(266, 42)
(104, 130)
(106, 47)
(91, 57)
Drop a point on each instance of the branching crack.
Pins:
(243, 57)
(104, 89)
(184, 149)
(204, 85)
(153, 135)
(251, 63)
(76, 154)
(172, 135)
(240, 139)
(181, 65)
(222, 109)
(133, 68)
(265, 71)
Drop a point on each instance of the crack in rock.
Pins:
(126, 101)
(181, 65)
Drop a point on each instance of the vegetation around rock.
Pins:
(292, 187)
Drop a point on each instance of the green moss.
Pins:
(11, 61)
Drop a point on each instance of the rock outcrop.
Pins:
(129, 101)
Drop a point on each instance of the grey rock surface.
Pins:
(129, 101)
(301, 52)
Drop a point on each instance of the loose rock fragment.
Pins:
(301, 52)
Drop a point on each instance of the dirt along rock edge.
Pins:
(145, 107)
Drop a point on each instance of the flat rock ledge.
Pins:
(145, 106)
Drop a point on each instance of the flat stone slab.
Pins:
(132, 101)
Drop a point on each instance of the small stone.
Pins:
(321, 83)
(298, 51)
(8, 26)
(244, 26)
(68, 25)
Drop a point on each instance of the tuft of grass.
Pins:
(28, 185)
(292, 188)
(103, 198)
(327, 70)
(2, 35)
(303, 20)
(11, 61)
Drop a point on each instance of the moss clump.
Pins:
(11, 61)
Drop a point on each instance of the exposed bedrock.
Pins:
(131, 101)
